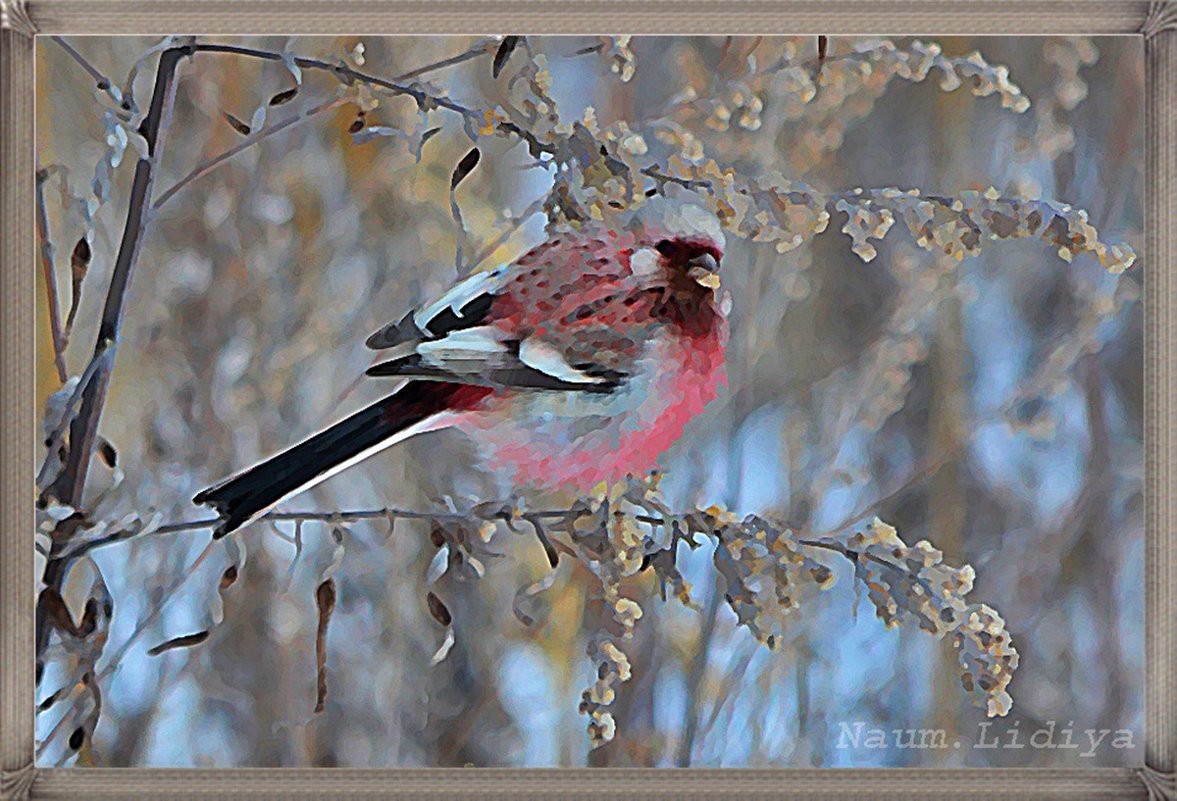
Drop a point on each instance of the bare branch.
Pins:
(205, 167)
(70, 485)
(425, 99)
(79, 265)
(101, 81)
(50, 278)
(482, 48)
(512, 226)
(488, 512)
(56, 439)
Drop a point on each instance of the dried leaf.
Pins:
(465, 167)
(284, 96)
(79, 263)
(237, 554)
(337, 553)
(107, 453)
(258, 120)
(184, 641)
(325, 601)
(52, 699)
(425, 137)
(289, 60)
(506, 48)
(438, 565)
(439, 610)
(53, 605)
(238, 126)
(228, 578)
(525, 597)
(444, 650)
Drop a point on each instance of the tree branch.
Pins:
(211, 164)
(50, 278)
(83, 429)
(482, 48)
(348, 75)
(487, 512)
(101, 81)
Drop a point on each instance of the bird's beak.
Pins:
(705, 270)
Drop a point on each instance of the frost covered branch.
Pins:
(768, 570)
(787, 214)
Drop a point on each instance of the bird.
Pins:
(582, 361)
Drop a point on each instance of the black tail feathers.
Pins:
(249, 494)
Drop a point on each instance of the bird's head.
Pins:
(677, 240)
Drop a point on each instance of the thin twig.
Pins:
(348, 75)
(50, 278)
(918, 476)
(733, 677)
(662, 179)
(489, 512)
(852, 555)
(116, 661)
(482, 48)
(204, 168)
(694, 677)
(208, 166)
(101, 81)
(54, 441)
(512, 226)
(168, 594)
(81, 547)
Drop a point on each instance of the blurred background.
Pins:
(992, 406)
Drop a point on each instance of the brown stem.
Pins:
(513, 225)
(80, 548)
(101, 81)
(347, 75)
(206, 167)
(70, 485)
(50, 278)
(483, 48)
(695, 675)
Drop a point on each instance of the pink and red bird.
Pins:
(582, 361)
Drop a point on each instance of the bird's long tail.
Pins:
(252, 492)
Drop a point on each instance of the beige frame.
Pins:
(1155, 22)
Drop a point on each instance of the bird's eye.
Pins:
(665, 247)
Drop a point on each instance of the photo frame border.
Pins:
(21, 22)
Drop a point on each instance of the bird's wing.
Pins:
(480, 333)
(484, 355)
(518, 326)
(467, 304)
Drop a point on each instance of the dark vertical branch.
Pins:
(1102, 551)
(946, 493)
(83, 430)
(695, 675)
(50, 277)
